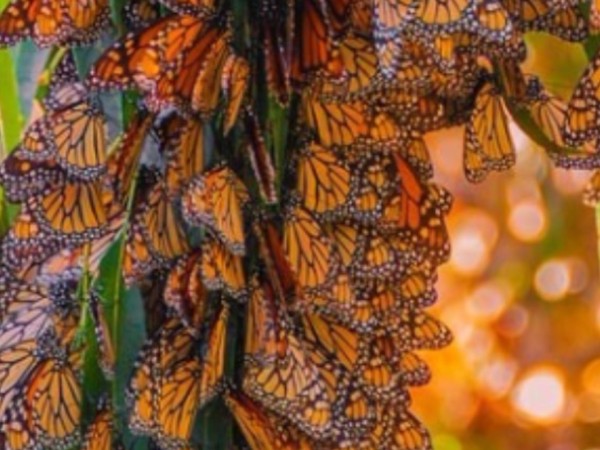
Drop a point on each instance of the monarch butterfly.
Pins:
(361, 16)
(171, 344)
(340, 304)
(260, 159)
(216, 199)
(367, 253)
(317, 26)
(335, 123)
(171, 382)
(78, 134)
(416, 330)
(437, 16)
(488, 145)
(73, 210)
(390, 17)
(184, 292)
(234, 82)
(417, 214)
(561, 20)
(493, 24)
(414, 370)
(355, 353)
(23, 178)
(30, 312)
(155, 236)
(183, 142)
(279, 373)
(69, 263)
(21, 359)
(277, 267)
(222, 270)
(189, 385)
(549, 114)
(406, 432)
(54, 392)
(310, 252)
(416, 153)
(323, 179)
(53, 22)
(261, 430)
(100, 434)
(359, 60)
(123, 161)
(27, 242)
(17, 432)
(195, 48)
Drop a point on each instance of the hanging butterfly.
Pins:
(291, 377)
(123, 161)
(261, 430)
(317, 27)
(182, 141)
(415, 330)
(26, 243)
(23, 178)
(101, 433)
(53, 22)
(216, 199)
(323, 179)
(193, 48)
(549, 114)
(74, 211)
(185, 293)
(54, 393)
(222, 270)
(234, 83)
(311, 253)
(488, 144)
(155, 236)
(189, 385)
(260, 158)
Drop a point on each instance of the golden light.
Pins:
(497, 376)
(579, 275)
(473, 238)
(552, 280)
(527, 221)
(489, 300)
(522, 188)
(514, 322)
(590, 378)
(540, 395)
(589, 407)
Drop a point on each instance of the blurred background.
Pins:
(521, 294)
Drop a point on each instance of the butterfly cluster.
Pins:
(271, 197)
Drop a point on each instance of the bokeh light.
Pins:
(527, 221)
(553, 279)
(540, 395)
(473, 239)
